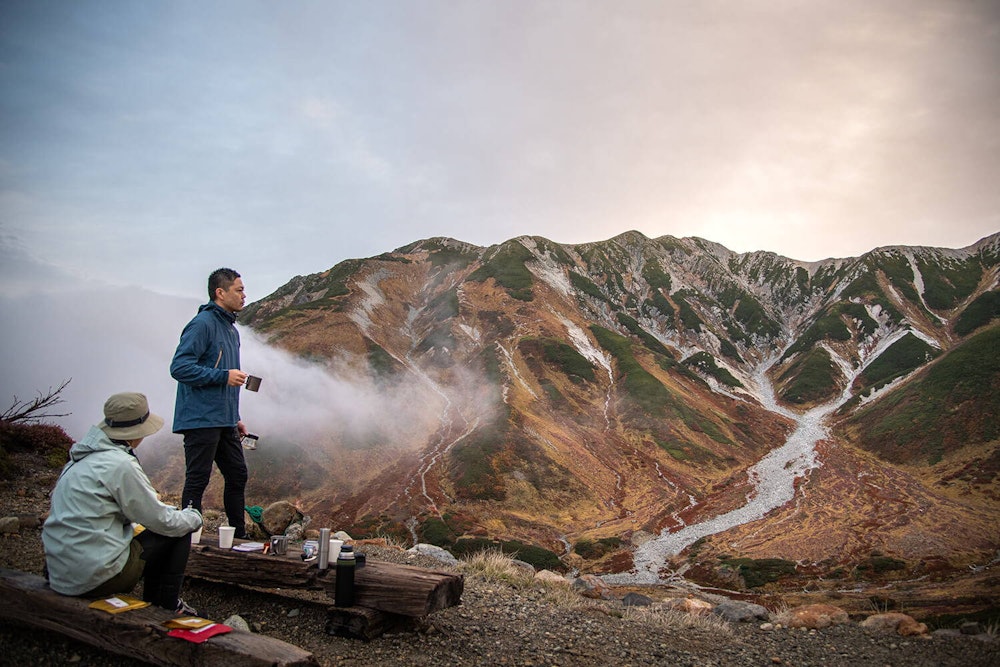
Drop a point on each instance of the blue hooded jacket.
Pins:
(208, 349)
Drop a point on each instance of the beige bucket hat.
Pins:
(127, 417)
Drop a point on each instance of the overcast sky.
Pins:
(151, 142)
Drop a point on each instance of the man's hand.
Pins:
(236, 377)
(241, 429)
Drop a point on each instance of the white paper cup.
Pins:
(226, 534)
(196, 537)
(335, 550)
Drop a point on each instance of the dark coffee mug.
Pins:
(253, 382)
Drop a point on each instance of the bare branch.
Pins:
(36, 410)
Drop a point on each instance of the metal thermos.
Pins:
(344, 590)
(324, 548)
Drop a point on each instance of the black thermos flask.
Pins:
(344, 591)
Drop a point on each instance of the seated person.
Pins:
(91, 545)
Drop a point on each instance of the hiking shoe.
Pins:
(184, 609)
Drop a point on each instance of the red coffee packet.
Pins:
(201, 634)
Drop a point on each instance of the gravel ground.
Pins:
(498, 623)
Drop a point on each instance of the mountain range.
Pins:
(636, 405)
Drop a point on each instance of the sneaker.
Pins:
(184, 609)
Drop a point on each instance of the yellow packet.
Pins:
(137, 528)
(187, 623)
(118, 604)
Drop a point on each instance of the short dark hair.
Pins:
(220, 278)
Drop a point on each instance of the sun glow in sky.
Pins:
(148, 143)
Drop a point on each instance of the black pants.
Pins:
(160, 561)
(163, 574)
(202, 448)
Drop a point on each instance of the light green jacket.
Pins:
(101, 492)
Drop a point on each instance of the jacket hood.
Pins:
(219, 310)
(96, 440)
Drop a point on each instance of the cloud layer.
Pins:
(149, 143)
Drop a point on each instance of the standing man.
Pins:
(206, 366)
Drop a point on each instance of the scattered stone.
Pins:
(551, 577)
(433, 551)
(292, 613)
(902, 624)
(738, 611)
(295, 532)
(815, 616)
(526, 568)
(236, 622)
(688, 605)
(30, 520)
(970, 628)
(341, 535)
(590, 586)
(767, 626)
(636, 600)
(10, 525)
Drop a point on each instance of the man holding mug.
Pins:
(206, 366)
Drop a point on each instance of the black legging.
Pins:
(163, 574)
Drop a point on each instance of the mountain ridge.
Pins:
(614, 389)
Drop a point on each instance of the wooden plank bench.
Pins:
(386, 594)
(26, 599)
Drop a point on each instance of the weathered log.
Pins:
(399, 589)
(26, 599)
(252, 568)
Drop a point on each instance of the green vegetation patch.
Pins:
(642, 387)
(475, 464)
(757, 572)
(648, 339)
(705, 362)
(905, 355)
(946, 284)
(507, 268)
(655, 276)
(983, 310)
(587, 286)
(689, 318)
(955, 404)
(594, 549)
(538, 557)
(830, 327)
(814, 378)
(567, 359)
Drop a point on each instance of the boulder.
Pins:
(737, 611)
(525, 568)
(815, 616)
(902, 624)
(10, 525)
(636, 600)
(590, 586)
(548, 576)
(237, 622)
(689, 605)
(277, 516)
(433, 551)
(295, 532)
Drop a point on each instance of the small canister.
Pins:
(279, 545)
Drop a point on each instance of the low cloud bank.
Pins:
(122, 339)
